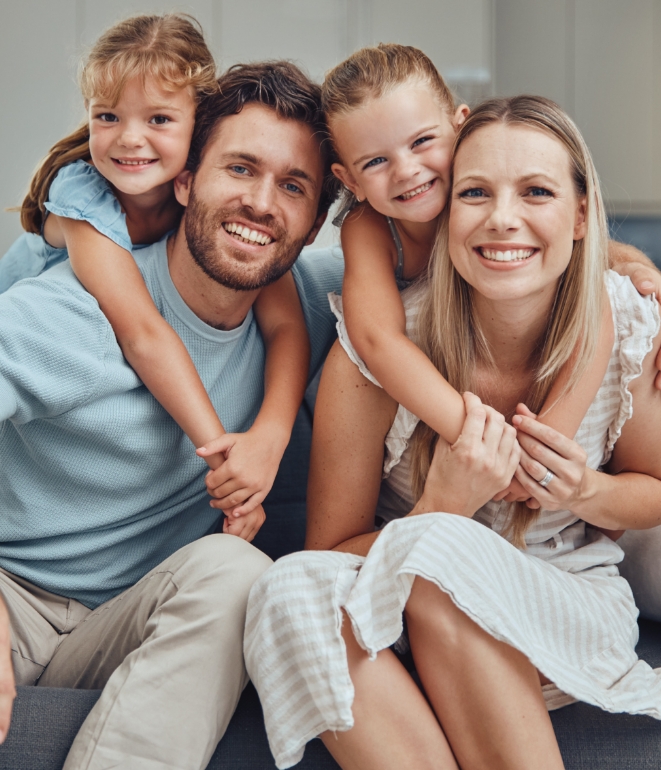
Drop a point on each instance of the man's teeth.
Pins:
(507, 256)
(247, 235)
(423, 188)
(134, 162)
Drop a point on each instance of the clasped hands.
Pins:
(489, 454)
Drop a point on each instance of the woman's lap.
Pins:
(642, 569)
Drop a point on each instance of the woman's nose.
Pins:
(503, 215)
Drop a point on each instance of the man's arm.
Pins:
(7, 688)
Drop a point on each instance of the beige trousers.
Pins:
(168, 653)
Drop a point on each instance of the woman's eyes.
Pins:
(472, 192)
(539, 192)
(374, 162)
(160, 120)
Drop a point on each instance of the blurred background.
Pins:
(599, 59)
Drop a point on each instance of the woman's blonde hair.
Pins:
(169, 47)
(449, 331)
(373, 72)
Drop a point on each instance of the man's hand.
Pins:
(7, 687)
(481, 463)
(247, 526)
(242, 482)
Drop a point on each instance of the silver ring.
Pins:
(547, 479)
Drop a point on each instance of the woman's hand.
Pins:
(481, 462)
(544, 451)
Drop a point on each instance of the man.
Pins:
(107, 568)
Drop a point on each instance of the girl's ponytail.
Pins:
(74, 147)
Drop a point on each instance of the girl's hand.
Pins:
(647, 280)
(515, 493)
(247, 526)
(545, 449)
(245, 478)
(464, 476)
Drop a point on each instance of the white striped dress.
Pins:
(561, 601)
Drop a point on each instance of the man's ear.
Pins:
(318, 223)
(182, 186)
(580, 225)
(460, 115)
(347, 180)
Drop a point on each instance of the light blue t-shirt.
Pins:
(97, 483)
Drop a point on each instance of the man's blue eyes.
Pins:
(289, 186)
(292, 187)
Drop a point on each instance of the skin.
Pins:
(485, 696)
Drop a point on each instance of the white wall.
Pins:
(601, 60)
(40, 41)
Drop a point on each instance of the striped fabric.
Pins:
(561, 601)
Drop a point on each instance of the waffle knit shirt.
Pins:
(98, 484)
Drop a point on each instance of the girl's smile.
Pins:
(142, 142)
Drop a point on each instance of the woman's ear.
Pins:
(580, 225)
(347, 180)
(460, 115)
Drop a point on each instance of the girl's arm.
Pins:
(148, 342)
(253, 457)
(376, 322)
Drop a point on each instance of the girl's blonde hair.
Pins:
(373, 72)
(169, 47)
(448, 329)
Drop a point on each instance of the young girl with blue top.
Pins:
(107, 189)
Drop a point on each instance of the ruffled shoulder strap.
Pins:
(79, 191)
(636, 321)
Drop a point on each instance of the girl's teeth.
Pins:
(417, 191)
(247, 235)
(507, 256)
(133, 162)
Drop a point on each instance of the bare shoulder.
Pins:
(365, 233)
(637, 449)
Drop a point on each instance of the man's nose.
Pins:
(259, 196)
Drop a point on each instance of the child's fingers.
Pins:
(219, 445)
(249, 505)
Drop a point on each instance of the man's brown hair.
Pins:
(279, 85)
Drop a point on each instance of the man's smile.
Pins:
(246, 234)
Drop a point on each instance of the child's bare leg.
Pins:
(394, 727)
(486, 694)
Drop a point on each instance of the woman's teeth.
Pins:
(247, 235)
(423, 188)
(507, 256)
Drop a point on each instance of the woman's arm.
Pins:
(148, 342)
(376, 323)
(630, 498)
(351, 420)
(253, 457)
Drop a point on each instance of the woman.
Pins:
(531, 612)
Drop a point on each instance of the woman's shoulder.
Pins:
(80, 192)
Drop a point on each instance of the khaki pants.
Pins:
(168, 653)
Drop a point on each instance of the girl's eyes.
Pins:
(107, 117)
(421, 140)
(374, 162)
(160, 120)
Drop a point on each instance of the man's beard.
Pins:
(229, 266)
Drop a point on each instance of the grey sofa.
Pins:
(46, 720)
